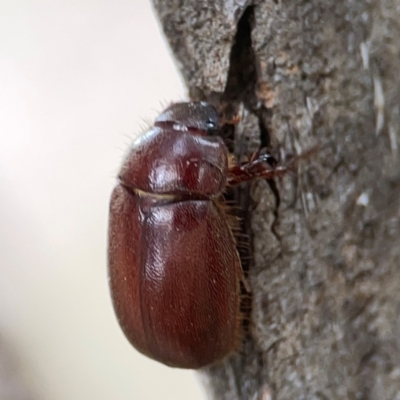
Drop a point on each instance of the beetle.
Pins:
(174, 270)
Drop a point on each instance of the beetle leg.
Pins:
(246, 283)
(259, 165)
(262, 164)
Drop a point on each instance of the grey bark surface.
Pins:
(326, 290)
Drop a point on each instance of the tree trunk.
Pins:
(325, 266)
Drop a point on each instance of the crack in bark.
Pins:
(241, 88)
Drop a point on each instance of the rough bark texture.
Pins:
(326, 289)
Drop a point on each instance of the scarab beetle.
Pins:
(173, 265)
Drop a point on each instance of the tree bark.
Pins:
(325, 276)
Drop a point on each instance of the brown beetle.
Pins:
(174, 269)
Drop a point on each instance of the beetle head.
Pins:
(196, 116)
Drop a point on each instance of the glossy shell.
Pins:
(173, 266)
